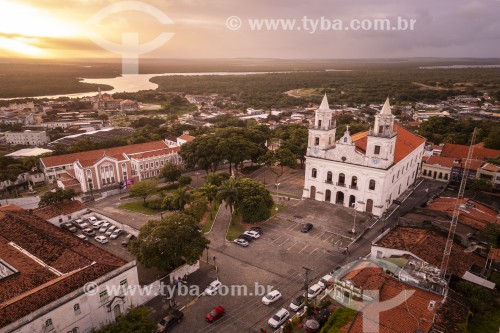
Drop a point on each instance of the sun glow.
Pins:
(20, 25)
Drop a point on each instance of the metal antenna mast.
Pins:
(456, 210)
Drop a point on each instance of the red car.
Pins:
(215, 314)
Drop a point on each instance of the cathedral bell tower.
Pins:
(322, 132)
(381, 141)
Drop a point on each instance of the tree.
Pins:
(493, 139)
(254, 201)
(294, 138)
(171, 172)
(228, 193)
(197, 208)
(180, 198)
(217, 178)
(57, 196)
(210, 191)
(184, 180)
(137, 320)
(283, 156)
(143, 189)
(169, 243)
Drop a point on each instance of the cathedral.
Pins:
(365, 171)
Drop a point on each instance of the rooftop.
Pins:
(429, 247)
(450, 162)
(472, 213)
(27, 152)
(51, 263)
(65, 208)
(90, 157)
(400, 318)
(461, 151)
(406, 142)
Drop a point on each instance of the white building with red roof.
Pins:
(105, 169)
(367, 170)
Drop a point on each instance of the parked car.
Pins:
(246, 237)
(170, 320)
(104, 227)
(258, 229)
(323, 282)
(314, 291)
(101, 239)
(279, 318)
(272, 297)
(92, 219)
(212, 287)
(251, 233)
(89, 232)
(110, 230)
(127, 239)
(82, 237)
(79, 223)
(97, 225)
(298, 303)
(306, 227)
(241, 242)
(215, 314)
(116, 233)
(68, 226)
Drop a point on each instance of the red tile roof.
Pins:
(491, 167)
(65, 208)
(429, 247)
(159, 152)
(90, 157)
(449, 162)
(494, 254)
(477, 217)
(461, 151)
(402, 318)
(406, 142)
(35, 285)
(187, 137)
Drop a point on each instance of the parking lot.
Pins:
(275, 259)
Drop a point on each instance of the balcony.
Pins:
(324, 128)
(385, 134)
(341, 184)
(329, 181)
(353, 187)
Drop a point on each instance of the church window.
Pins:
(329, 177)
(341, 179)
(345, 140)
(371, 185)
(314, 173)
(319, 123)
(376, 150)
(316, 141)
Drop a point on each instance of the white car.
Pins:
(97, 225)
(115, 234)
(104, 227)
(314, 291)
(279, 318)
(212, 287)
(298, 303)
(92, 219)
(241, 242)
(110, 230)
(272, 297)
(82, 237)
(251, 233)
(323, 282)
(80, 224)
(101, 239)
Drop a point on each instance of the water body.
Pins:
(136, 82)
(460, 66)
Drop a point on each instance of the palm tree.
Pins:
(228, 193)
(181, 197)
(210, 191)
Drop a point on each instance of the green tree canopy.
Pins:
(184, 180)
(254, 201)
(143, 189)
(168, 243)
(137, 320)
(171, 172)
(57, 196)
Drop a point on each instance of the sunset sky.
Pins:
(61, 29)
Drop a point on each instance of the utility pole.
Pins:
(306, 282)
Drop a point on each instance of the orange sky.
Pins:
(61, 29)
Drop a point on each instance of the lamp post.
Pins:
(207, 253)
(354, 224)
(197, 174)
(277, 189)
(90, 187)
(216, 269)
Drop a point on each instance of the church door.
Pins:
(369, 205)
(328, 196)
(313, 192)
(340, 198)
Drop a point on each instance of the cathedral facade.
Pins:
(365, 171)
